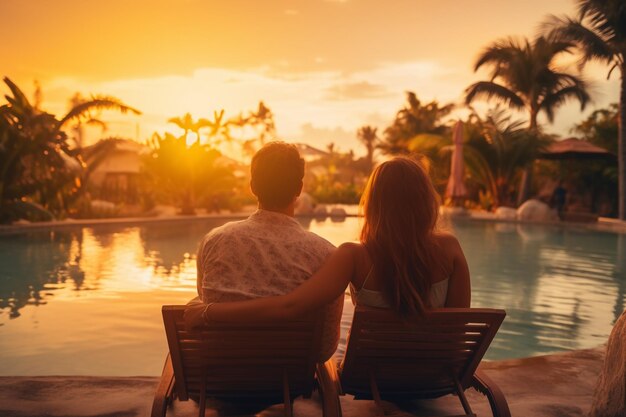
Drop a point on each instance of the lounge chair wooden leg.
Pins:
(202, 403)
(463, 398)
(380, 410)
(497, 401)
(163, 394)
(328, 381)
(286, 396)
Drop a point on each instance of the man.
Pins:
(269, 253)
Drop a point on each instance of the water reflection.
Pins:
(562, 288)
(36, 266)
(166, 245)
(32, 265)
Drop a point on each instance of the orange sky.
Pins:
(325, 67)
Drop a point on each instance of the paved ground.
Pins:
(547, 386)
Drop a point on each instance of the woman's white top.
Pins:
(372, 298)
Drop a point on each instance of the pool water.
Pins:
(86, 300)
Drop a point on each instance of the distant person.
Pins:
(559, 198)
(403, 262)
(269, 253)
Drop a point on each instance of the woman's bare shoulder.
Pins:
(447, 241)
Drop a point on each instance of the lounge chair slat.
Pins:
(285, 343)
(423, 334)
(423, 345)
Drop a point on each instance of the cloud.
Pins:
(322, 136)
(356, 91)
(316, 107)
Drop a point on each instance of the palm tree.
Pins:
(189, 125)
(599, 31)
(262, 123)
(524, 76)
(220, 128)
(263, 119)
(368, 137)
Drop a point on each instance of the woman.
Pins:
(402, 262)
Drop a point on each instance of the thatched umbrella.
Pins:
(573, 148)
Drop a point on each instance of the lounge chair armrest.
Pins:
(486, 386)
(164, 391)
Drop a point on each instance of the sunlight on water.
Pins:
(87, 300)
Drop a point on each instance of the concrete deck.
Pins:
(559, 385)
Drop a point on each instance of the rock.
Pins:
(506, 213)
(320, 211)
(609, 397)
(536, 211)
(337, 212)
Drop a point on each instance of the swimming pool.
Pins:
(86, 300)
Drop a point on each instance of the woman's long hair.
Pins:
(401, 209)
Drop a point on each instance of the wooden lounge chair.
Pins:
(428, 357)
(270, 363)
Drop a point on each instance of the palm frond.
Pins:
(96, 103)
(489, 89)
(97, 122)
(554, 100)
(500, 51)
(592, 44)
(18, 96)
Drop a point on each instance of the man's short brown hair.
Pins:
(276, 174)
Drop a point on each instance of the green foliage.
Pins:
(601, 128)
(412, 120)
(496, 150)
(336, 192)
(433, 150)
(337, 178)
